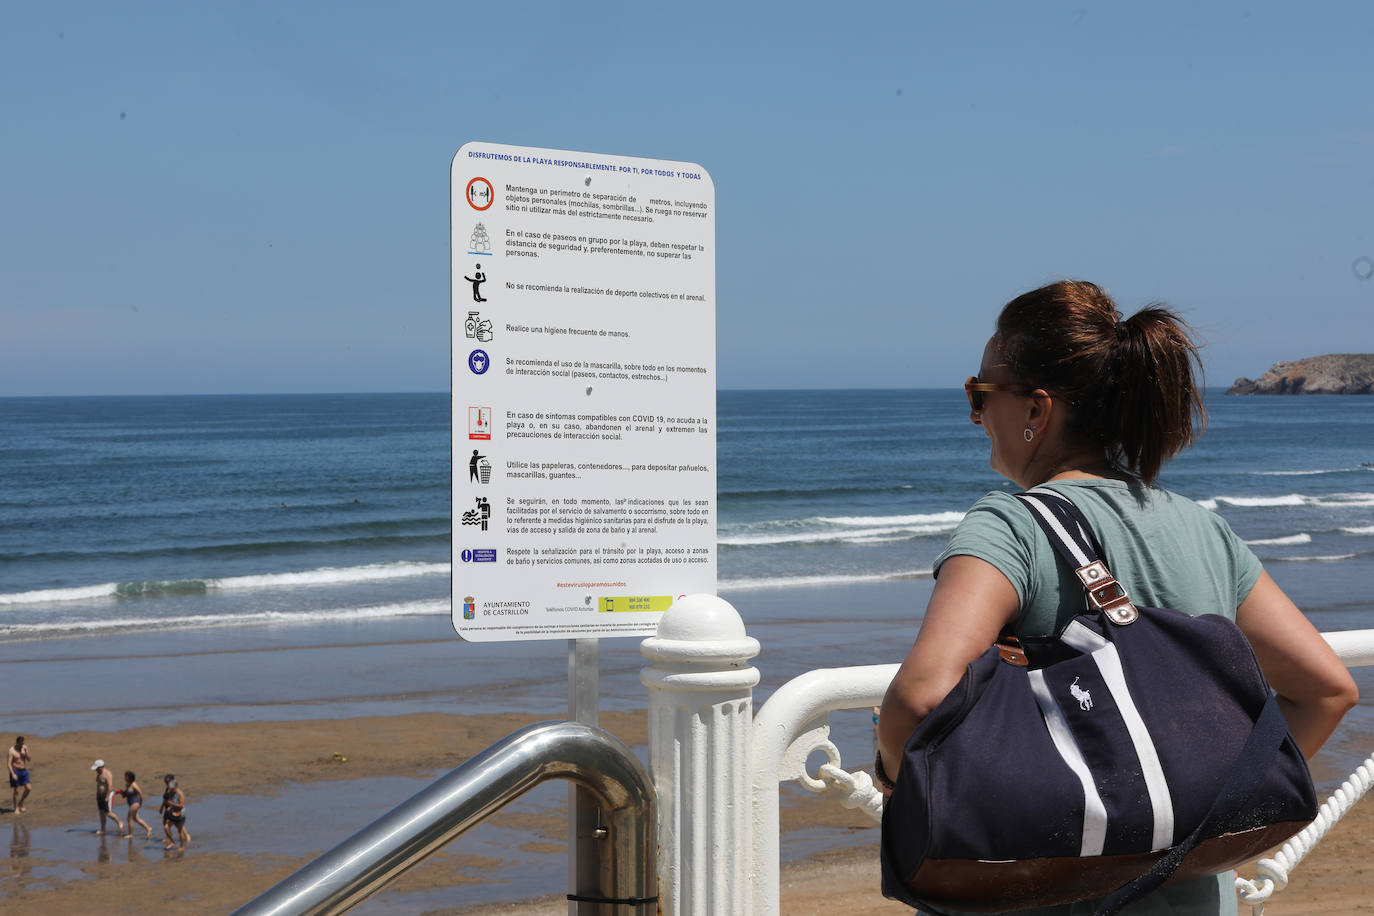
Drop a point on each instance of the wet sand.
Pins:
(229, 766)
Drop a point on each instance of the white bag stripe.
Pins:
(1108, 661)
(1094, 811)
(1049, 517)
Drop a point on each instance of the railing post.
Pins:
(700, 749)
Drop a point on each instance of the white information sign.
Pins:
(584, 391)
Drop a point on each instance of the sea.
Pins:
(245, 558)
(128, 514)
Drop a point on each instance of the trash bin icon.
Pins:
(484, 471)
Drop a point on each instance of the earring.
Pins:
(1029, 434)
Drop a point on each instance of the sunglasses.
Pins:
(975, 390)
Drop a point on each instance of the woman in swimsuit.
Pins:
(134, 796)
(174, 812)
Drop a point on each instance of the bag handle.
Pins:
(1072, 538)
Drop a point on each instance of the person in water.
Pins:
(173, 812)
(134, 796)
(104, 796)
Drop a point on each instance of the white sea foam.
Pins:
(1339, 500)
(863, 521)
(201, 621)
(855, 536)
(1262, 502)
(848, 529)
(1367, 529)
(327, 575)
(1346, 499)
(1330, 559)
(1303, 538)
(739, 585)
(82, 593)
(1303, 473)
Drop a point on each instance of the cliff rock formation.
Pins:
(1336, 373)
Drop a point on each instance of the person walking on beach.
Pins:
(134, 796)
(18, 761)
(173, 812)
(104, 794)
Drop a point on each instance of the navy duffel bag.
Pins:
(1138, 745)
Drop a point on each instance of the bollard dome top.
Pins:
(698, 617)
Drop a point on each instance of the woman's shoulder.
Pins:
(999, 509)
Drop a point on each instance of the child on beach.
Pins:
(174, 812)
(104, 795)
(134, 796)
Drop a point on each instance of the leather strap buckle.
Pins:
(1105, 594)
(1009, 648)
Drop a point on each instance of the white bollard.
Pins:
(700, 748)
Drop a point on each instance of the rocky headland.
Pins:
(1336, 373)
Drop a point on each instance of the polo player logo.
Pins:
(1084, 697)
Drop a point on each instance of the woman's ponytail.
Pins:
(1159, 409)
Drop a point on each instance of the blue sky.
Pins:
(253, 197)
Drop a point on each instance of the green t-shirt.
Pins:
(1165, 550)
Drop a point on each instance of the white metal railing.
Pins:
(717, 767)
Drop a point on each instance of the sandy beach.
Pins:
(244, 761)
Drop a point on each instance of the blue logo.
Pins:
(479, 362)
(480, 555)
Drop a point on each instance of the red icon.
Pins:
(480, 193)
(479, 422)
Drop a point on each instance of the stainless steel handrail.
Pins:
(376, 855)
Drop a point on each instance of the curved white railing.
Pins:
(789, 728)
(1356, 648)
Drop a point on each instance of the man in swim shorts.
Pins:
(104, 793)
(18, 760)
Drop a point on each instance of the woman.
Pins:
(173, 812)
(134, 796)
(1075, 398)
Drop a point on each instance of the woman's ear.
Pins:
(1040, 410)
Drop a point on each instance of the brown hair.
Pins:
(1128, 383)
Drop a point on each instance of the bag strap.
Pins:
(1250, 767)
(1063, 523)
(1072, 538)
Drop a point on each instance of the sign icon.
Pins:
(479, 361)
(479, 515)
(476, 328)
(479, 468)
(479, 242)
(477, 279)
(479, 422)
(469, 607)
(480, 194)
(479, 555)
